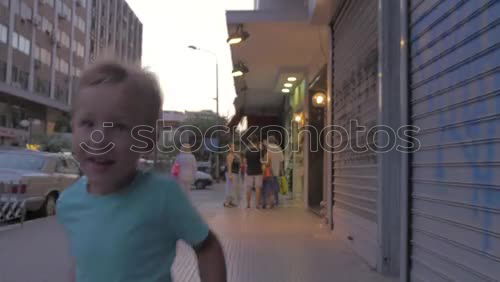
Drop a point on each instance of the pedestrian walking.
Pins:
(186, 162)
(233, 166)
(253, 177)
(274, 165)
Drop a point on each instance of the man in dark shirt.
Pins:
(253, 178)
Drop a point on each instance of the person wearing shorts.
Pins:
(253, 178)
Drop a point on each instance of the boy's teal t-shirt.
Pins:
(128, 236)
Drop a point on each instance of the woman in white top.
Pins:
(187, 167)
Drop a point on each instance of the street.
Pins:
(260, 245)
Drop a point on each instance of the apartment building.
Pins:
(44, 45)
(115, 30)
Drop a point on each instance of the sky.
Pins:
(187, 77)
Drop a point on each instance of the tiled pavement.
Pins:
(286, 244)
(282, 245)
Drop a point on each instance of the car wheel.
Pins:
(49, 208)
(199, 185)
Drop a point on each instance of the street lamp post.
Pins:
(217, 169)
(28, 123)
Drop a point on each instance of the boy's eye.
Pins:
(86, 123)
(121, 126)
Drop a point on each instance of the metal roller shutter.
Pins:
(355, 98)
(455, 176)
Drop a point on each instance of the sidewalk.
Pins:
(286, 244)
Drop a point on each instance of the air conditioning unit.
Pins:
(36, 20)
(53, 38)
(38, 64)
(79, 3)
(58, 45)
(63, 17)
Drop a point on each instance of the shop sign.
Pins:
(7, 132)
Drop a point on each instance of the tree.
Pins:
(205, 121)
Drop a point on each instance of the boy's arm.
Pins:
(211, 262)
(72, 271)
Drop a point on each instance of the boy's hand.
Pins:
(211, 262)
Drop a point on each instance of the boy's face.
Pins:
(102, 123)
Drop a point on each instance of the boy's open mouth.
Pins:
(100, 163)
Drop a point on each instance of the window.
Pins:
(75, 21)
(62, 65)
(61, 166)
(45, 56)
(82, 3)
(49, 2)
(15, 7)
(58, 6)
(23, 79)
(82, 25)
(46, 24)
(3, 71)
(14, 74)
(79, 23)
(4, 3)
(64, 39)
(22, 44)
(25, 11)
(3, 33)
(15, 40)
(76, 71)
(42, 87)
(81, 50)
(66, 11)
(38, 85)
(72, 167)
(36, 53)
(14, 160)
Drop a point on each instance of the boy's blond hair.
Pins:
(134, 79)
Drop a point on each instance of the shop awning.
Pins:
(274, 52)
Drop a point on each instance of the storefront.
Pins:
(12, 137)
(453, 95)
(294, 161)
(355, 174)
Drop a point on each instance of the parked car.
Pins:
(204, 167)
(37, 178)
(202, 180)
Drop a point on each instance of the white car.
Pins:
(202, 180)
(35, 178)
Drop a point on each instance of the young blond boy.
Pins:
(123, 224)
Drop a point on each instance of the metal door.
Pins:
(355, 98)
(454, 73)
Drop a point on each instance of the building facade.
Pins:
(115, 31)
(423, 207)
(44, 45)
